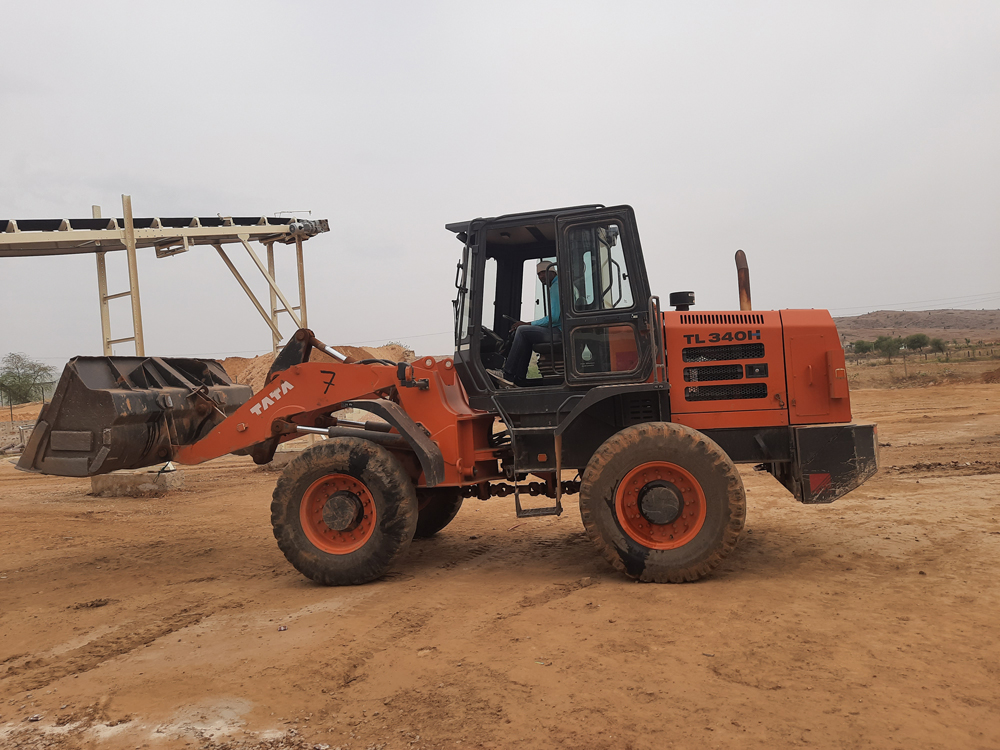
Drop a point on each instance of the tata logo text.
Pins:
(714, 338)
(269, 398)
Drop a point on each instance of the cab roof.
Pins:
(462, 228)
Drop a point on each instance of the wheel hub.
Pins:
(342, 511)
(661, 502)
(660, 505)
(338, 514)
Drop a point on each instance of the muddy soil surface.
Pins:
(176, 622)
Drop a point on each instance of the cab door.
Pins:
(605, 298)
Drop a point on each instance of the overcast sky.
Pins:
(851, 149)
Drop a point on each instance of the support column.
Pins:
(275, 341)
(102, 290)
(302, 282)
(133, 276)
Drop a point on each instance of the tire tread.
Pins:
(396, 522)
(627, 440)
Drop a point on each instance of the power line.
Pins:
(926, 304)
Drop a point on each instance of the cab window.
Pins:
(600, 276)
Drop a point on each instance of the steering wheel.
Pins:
(496, 338)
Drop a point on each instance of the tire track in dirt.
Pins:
(951, 468)
(554, 592)
(735, 676)
(467, 556)
(571, 539)
(496, 624)
(473, 706)
(515, 550)
(34, 674)
(360, 649)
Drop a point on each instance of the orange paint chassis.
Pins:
(450, 441)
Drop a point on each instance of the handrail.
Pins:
(659, 348)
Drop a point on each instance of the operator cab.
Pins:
(600, 333)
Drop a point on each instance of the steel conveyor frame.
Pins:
(168, 236)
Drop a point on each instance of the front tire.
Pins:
(662, 502)
(344, 512)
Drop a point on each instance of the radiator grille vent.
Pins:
(713, 372)
(691, 319)
(725, 392)
(722, 353)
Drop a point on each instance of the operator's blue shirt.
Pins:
(554, 309)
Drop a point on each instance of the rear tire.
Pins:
(662, 502)
(438, 507)
(344, 512)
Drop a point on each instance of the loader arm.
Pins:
(112, 413)
(302, 395)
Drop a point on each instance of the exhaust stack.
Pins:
(743, 280)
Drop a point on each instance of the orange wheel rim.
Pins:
(338, 514)
(660, 505)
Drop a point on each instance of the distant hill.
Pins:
(977, 325)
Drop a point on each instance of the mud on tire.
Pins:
(695, 470)
(438, 507)
(368, 482)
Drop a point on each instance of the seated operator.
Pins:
(542, 331)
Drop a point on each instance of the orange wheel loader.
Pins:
(648, 411)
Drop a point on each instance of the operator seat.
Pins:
(550, 358)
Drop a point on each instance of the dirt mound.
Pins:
(22, 412)
(976, 325)
(252, 371)
(992, 377)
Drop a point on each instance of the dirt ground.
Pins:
(176, 622)
(918, 372)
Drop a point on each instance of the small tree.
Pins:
(888, 346)
(917, 341)
(938, 346)
(20, 377)
(862, 347)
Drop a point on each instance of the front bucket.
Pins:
(110, 413)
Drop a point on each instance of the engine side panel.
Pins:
(726, 369)
(816, 370)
